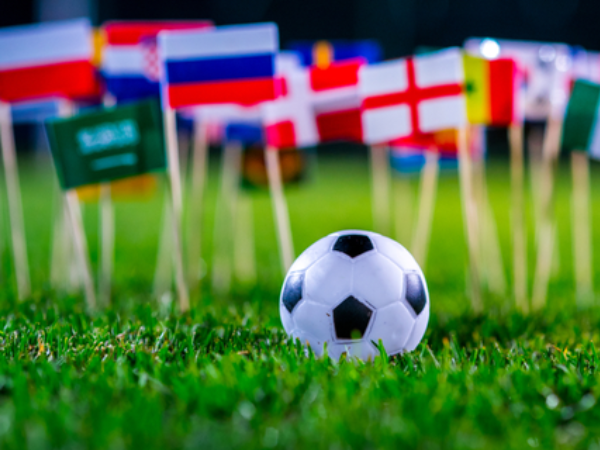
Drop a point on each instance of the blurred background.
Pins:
(399, 25)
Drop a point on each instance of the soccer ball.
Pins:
(352, 289)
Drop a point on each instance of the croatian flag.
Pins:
(407, 97)
(130, 63)
(47, 60)
(234, 64)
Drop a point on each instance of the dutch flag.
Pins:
(233, 64)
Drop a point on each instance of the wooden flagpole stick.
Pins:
(196, 202)
(81, 248)
(107, 243)
(403, 210)
(428, 190)
(380, 175)
(225, 217)
(515, 134)
(244, 258)
(176, 206)
(280, 209)
(163, 274)
(470, 217)
(581, 227)
(15, 208)
(546, 229)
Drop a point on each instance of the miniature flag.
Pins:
(140, 187)
(107, 145)
(323, 53)
(234, 64)
(47, 60)
(545, 67)
(130, 63)
(410, 161)
(420, 94)
(581, 130)
(490, 89)
(336, 101)
(34, 111)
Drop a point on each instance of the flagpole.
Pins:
(107, 243)
(81, 247)
(469, 207)
(280, 209)
(163, 274)
(546, 238)
(581, 228)
(515, 135)
(176, 205)
(15, 208)
(380, 178)
(225, 217)
(428, 190)
(196, 202)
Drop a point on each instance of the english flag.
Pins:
(234, 64)
(47, 60)
(130, 63)
(407, 97)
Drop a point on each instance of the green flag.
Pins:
(581, 130)
(107, 145)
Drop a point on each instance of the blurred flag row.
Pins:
(312, 93)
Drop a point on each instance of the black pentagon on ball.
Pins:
(353, 244)
(351, 316)
(292, 291)
(415, 292)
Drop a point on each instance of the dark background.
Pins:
(399, 25)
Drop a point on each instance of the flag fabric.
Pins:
(323, 53)
(545, 68)
(405, 97)
(107, 145)
(491, 91)
(586, 65)
(140, 187)
(234, 64)
(410, 161)
(34, 111)
(581, 129)
(130, 63)
(47, 60)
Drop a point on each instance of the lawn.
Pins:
(137, 374)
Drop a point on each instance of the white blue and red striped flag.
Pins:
(47, 60)
(130, 62)
(234, 64)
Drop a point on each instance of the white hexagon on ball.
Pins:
(353, 289)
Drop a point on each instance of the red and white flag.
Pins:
(410, 96)
(47, 60)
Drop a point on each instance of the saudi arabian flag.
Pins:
(108, 145)
(581, 130)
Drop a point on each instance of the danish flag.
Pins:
(411, 96)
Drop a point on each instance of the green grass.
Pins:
(139, 375)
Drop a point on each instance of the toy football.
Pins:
(352, 289)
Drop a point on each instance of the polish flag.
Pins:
(416, 95)
(47, 60)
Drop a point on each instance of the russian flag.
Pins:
(130, 63)
(47, 60)
(234, 64)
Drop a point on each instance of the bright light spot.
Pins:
(552, 401)
(489, 48)
(547, 53)
(563, 63)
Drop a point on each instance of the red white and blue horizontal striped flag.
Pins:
(234, 64)
(47, 60)
(130, 63)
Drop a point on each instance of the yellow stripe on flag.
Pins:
(477, 87)
(139, 187)
(98, 43)
(322, 54)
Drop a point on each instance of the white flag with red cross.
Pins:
(410, 96)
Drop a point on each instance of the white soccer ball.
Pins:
(352, 289)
